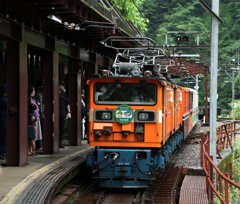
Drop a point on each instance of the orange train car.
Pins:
(137, 118)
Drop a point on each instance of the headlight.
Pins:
(103, 115)
(145, 116)
(142, 116)
(106, 115)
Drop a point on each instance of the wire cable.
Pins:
(114, 158)
(149, 174)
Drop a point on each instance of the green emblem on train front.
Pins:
(124, 114)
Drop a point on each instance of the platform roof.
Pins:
(36, 15)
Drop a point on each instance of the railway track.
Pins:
(111, 196)
(164, 188)
(161, 190)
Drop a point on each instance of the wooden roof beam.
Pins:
(46, 2)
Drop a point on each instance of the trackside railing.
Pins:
(226, 134)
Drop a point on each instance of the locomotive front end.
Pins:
(126, 126)
(131, 120)
(123, 125)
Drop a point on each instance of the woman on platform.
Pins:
(31, 100)
(32, 120)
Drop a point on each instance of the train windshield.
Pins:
(125, 93)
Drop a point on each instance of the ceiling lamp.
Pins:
(69, 27)
(55, 18)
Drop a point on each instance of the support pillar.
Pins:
(74, 84)
(55, 104)
(13, 104)
(48, 103)
(17, 142)
(23, 106)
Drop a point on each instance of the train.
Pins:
(137, 118)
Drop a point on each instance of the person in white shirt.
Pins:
(84, 117)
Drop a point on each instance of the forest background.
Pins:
(155, 17)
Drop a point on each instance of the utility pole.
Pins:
(213, 79)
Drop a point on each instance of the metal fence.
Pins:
(225, 135)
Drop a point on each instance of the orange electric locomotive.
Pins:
(137, 118)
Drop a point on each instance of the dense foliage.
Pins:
(155, 17)
(185, 15)
(130, 10)
(235, 192)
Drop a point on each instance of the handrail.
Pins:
(208, 165)
(213, 188)
(217, 169)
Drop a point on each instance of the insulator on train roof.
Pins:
(136, 72)
(105, 73)
(147, 73)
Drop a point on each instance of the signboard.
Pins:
(124, 114)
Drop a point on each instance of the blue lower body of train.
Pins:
(131, 168)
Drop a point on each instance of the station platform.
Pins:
(32, 183)
(19, 184)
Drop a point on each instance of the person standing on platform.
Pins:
(39, 98)
(32, 130)
(3, 122)
(64, 111)
(84, 118)
(31, 100)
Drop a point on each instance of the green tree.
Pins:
(224, 97)
(229, 31)
(235, 192)
(181, 18)
(130, 10)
